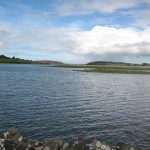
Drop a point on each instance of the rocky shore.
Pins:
(12, 140)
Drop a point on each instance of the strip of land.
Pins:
(97, 66)
(5, 59)
(110, 68)
(14, 60)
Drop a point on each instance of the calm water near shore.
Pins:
(58, 103)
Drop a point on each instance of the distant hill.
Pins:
(48, 62)
(5, 59)
(116, 63)
(109, 63)
(3, 56)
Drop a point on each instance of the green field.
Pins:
(109, 68)
(13, 60)
(19, 61)
(5, 59)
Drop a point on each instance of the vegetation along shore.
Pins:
(110, 68)
(14, 60)
(96, 66)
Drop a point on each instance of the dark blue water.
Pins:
(45, 102)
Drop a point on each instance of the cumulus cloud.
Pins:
(108, 40)
(75, 43)
(82, 7)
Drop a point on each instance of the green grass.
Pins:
(109, 68)
(75, 66)
(118, 70)
(19, 61)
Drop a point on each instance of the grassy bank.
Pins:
(5, 59)
(109, 68)
(13, 60)
(17, 61)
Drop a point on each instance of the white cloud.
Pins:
(72, 42)
(82, 7)
(36, 39)
(141, 18)
(137, 10)
(108, 40)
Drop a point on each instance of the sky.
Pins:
(76, 31)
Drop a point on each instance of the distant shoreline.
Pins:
(97, 66)
(14, 60)
(120, 69)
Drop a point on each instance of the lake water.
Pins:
(45, 102)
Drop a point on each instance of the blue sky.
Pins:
(76, 31)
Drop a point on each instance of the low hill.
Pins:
(116, 63)
(48, 62)
(5, 59)
(109, 63)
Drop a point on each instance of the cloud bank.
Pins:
(107, 40)
(98, 41)
(75, 30)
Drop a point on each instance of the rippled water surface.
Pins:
(46, 102)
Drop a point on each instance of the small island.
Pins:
(110, 67)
